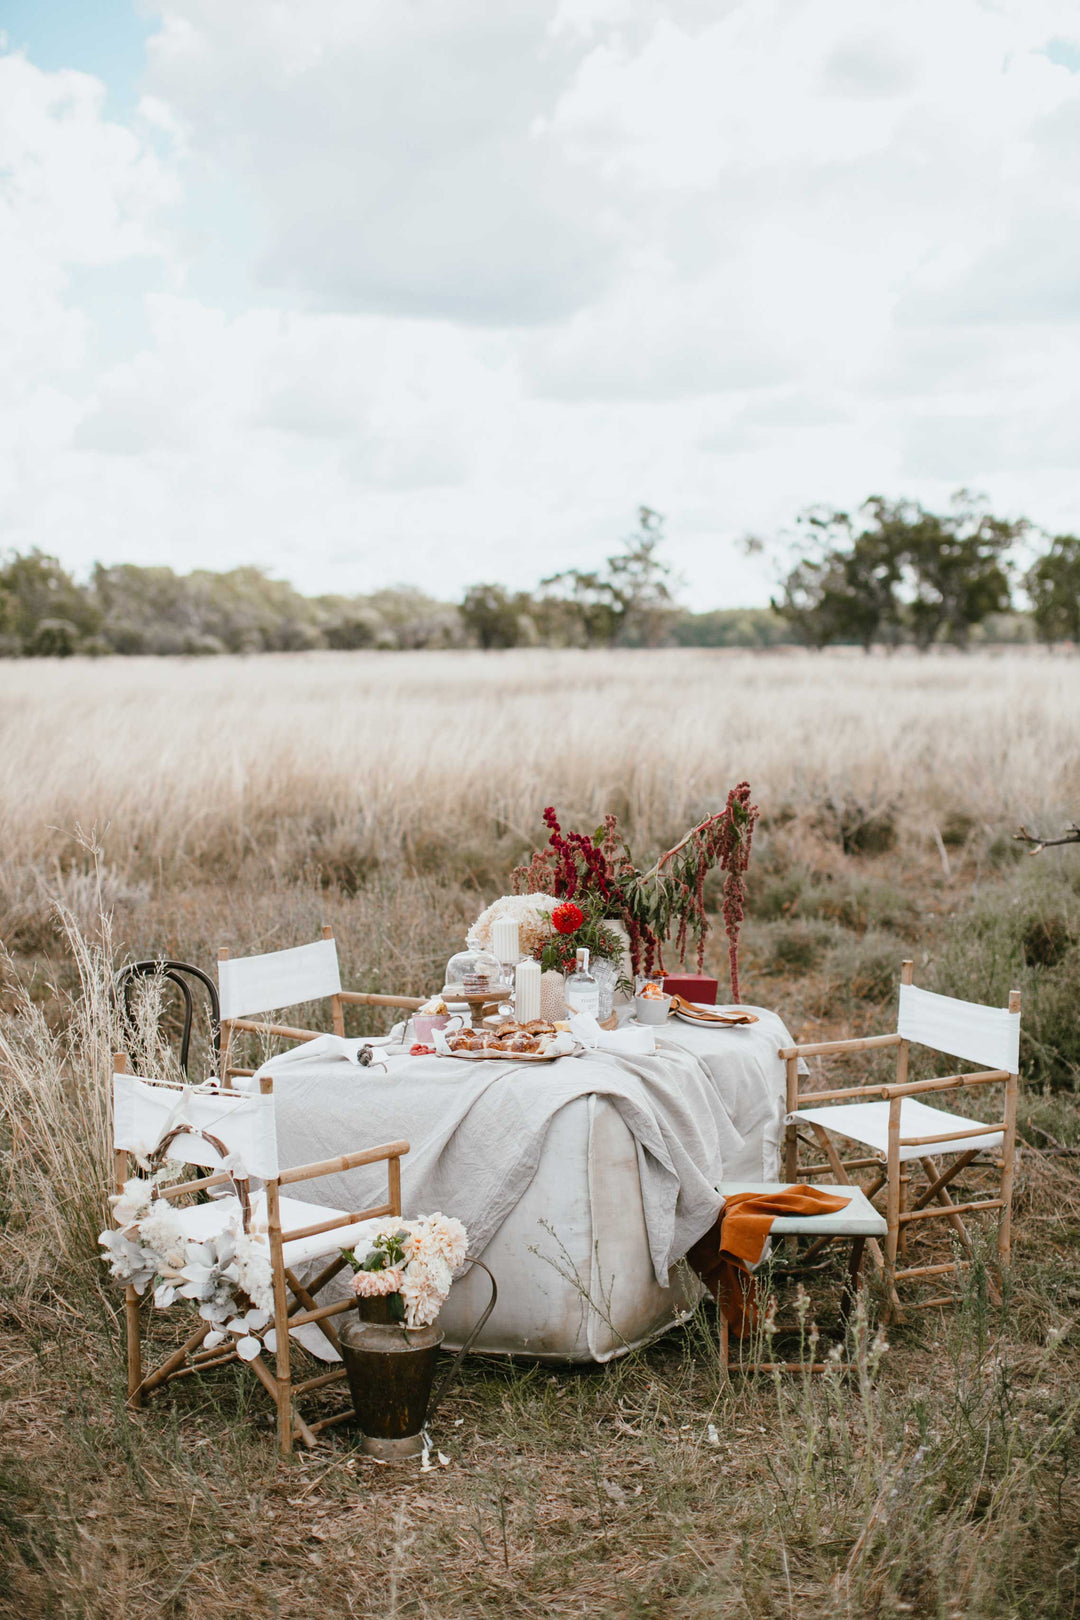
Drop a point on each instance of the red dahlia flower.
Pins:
(567, 918)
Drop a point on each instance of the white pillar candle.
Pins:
(527, 991)
(505, 939)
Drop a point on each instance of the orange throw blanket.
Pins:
(723, 1257)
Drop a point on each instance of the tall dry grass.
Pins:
(247, 801)
(387, 757)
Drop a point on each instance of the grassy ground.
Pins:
(940, 1482)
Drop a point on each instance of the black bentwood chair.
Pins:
(178, 973)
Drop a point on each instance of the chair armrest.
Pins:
(910, 1088)
(862, 1043)
(947, 1082)
(345, 1161)
(274, 1029)
(364, 998)
(338, 1221)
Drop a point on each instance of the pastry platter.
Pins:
(538, 1042)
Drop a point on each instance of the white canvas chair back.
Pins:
(964, 1029)
(144, 1111)
(257, 984)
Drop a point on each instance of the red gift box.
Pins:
(692, 987)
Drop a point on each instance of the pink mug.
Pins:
(424, 1024)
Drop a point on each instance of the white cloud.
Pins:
(418, 282)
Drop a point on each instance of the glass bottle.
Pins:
(582, 990)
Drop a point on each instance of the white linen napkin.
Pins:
(630, 1042)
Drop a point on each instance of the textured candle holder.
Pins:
(552, 995)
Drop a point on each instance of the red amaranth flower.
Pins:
(567, 918)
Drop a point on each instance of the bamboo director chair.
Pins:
(906, 1135)
(213, 1128)
(259, 984)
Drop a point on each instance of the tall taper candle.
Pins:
(527, 991)
(505, 939)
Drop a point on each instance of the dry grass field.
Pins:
(244, 802)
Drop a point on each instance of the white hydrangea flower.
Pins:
(531, 912)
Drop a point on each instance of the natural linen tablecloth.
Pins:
(477, 1130)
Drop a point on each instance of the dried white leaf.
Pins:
(712, 1438)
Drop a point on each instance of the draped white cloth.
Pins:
(477, 1130)
(580, 1181)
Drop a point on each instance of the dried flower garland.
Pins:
(228, 1273)
(664, 903)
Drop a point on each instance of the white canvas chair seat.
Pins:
(202, 1221)
(859, 1218)
(869, 1123)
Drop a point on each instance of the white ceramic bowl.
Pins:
(650, 1010)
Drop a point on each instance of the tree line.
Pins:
(890, 574)
(630, 600)
(896, 573)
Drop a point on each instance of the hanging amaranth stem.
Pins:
(736, 838)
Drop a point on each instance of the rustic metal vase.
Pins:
(390, 1369)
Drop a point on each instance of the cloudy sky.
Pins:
(380, 290)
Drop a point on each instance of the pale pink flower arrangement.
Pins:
(377, 1284)
(412, 1264)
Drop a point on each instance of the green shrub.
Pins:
(797, 946)
(1024, 935)
(956, 828)
(860, 827)
(867, 969)
(861, 903)
(1044, 940)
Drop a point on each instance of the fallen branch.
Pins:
(1072, 836)
(1058, 1148)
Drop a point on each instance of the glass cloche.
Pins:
(472, 971)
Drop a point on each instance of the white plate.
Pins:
(725, 1021)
